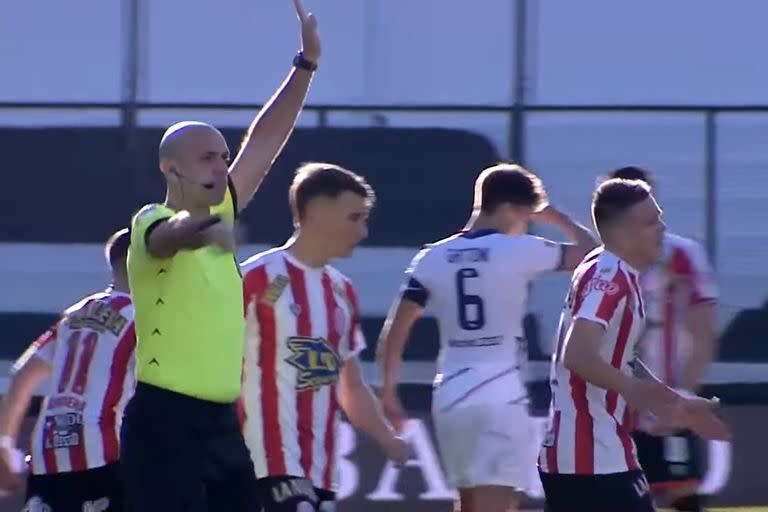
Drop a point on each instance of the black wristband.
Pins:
(302, 62)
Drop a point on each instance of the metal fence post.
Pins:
(710, 182)
(517, 117)
(130, 76)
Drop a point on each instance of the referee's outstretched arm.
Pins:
(273, 125)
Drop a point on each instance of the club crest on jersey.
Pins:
(274, 290)
(317, 362)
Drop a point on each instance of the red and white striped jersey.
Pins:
(91, 353)
(302, 324)
(682, 278)
(590, 431)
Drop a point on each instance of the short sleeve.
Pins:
(599, 293)
(414, 287)
(542, 255)
(355, 339)
(227, 209)
(691, 263)
(144, 222)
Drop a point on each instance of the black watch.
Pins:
(302, 62)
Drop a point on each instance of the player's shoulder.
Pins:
(674, 242)
(442, 243)
(80, 308)
(603, 266)
(150, 212)
(447, 243)
(526, 240)
(262, 259)
(120, 301)
(83, 303)
(337, 276)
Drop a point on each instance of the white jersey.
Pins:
(302, 324)
(590, 431)
(91, 353)
(476, 283)
(682, 278)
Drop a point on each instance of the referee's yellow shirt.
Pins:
(189, 312)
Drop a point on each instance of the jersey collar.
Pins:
(464, 233)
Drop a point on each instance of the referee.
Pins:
(181, 445)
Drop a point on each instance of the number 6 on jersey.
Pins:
(471, 310)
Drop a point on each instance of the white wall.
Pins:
(400, 51)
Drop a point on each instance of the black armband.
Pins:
(416, 292)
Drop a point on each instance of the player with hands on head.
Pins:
(476, 282)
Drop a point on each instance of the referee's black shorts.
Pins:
(181, 454)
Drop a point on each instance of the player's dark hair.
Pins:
(631, 172)
(116, 248)
(508, 183)
(613, 198)
(318, 179)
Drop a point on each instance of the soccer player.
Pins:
(89, 358)
(588, 461)
(182, 446)
(477, 282)
(303, 336)
(678, 345)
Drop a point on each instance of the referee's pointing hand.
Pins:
(310, 40)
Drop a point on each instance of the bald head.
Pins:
(178, 136)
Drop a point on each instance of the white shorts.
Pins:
(487, 444)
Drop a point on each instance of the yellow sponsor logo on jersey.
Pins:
(317, 362)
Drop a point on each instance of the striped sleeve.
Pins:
(355, 337)
(598, 293)
(691, 263)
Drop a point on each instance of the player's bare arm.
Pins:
(701, 324)
(582, 238)
(582, 356)
(389, 355)
(362, 409)
(28, 374)
(274, 124)
(185, 231)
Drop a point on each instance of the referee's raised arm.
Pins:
(273, 125)
(181, 444)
